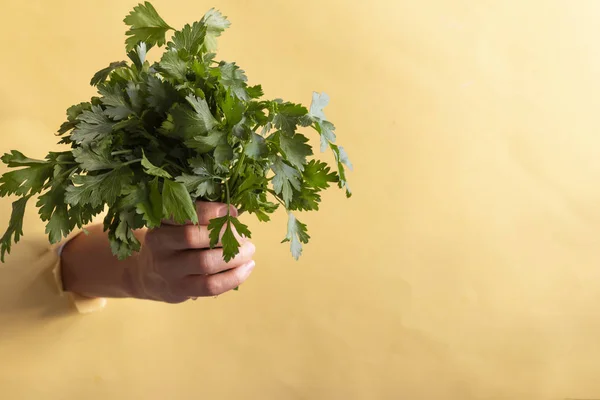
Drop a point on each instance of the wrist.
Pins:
(89, 269)
(68, 275)
(131, 279)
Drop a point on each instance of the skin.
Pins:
(175, 263)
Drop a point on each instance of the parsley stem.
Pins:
(172, 164)
(238, 168)
(276, 197)
(228, 199)
(116, 153)
(67, 174)
(150, 137)
(131, 162)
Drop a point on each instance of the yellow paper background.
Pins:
(466, 265)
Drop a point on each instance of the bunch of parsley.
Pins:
(160, 136)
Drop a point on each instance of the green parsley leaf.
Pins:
(234, 80)
(58, 227)
(296, 235)
(295, 149)
(53, 198)
(95, 158)
(134, 91)
(101, 75)
(97, 189)
(306, 199)
(152, 208)
(288, 116)
(138, 55)
(152, 169)
(253, 198)
(18, 159)
(215, 227)
(325, 128)
(205, 118)
(81, 215)
(223, 153)
(228, 239)
(318, 176)
(230, 244)
(200, 186)
(319, 102)
(173, 66)
(15, 226)
(72, 113)
(233, 110)
(241, 130)
(177, 203)
(256, 148)
(241, 229)
(93, 125)
(145, 25)
(186, 123)
(215, 24)
(188, 41)
(120, 232)
(161, 94)
(285, 179)
(254, 92)
(203, 166)
(113, 98)
(125, 227)
(205, 144)
(342, 159)
(147, 200)
(29, 180)
(342, 156)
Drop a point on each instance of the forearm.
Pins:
(90, 269)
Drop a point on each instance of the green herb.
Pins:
(160, 136)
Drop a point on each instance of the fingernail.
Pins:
(250, 246)
(223, 211)
(250, 266)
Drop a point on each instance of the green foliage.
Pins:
(160, 136)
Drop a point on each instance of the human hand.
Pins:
(175, 262)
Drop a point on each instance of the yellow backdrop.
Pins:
(466, 266)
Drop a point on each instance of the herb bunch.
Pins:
(159, 136)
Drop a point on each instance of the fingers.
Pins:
(208, 262)
(206, 211)
(179, 237)
(214, 285)
(184, 237)
(181, 264)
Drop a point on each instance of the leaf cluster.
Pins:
(159, 136)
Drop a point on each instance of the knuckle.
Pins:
(189, 235)
(181, 288)
(205, 262)
(151, 239)
(212, 286)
